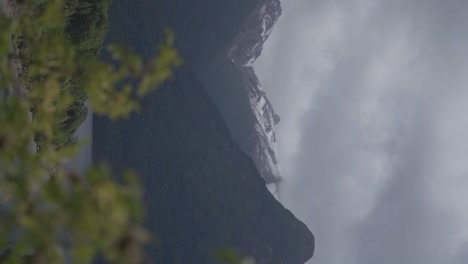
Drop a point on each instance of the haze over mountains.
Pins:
(204, 144)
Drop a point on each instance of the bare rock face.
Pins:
(264, 148)
(246, 48)
(249, 42)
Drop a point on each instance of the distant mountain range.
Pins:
(204, 141)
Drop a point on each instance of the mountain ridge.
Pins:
(257, 137)
(202, 191)
(248, 44)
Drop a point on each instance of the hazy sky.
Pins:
(373, 96)
(83, 158)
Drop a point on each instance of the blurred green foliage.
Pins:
(229, 256)
(48, 69)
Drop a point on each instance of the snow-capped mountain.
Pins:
(246, 48)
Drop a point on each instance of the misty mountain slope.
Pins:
(206, 29)
(212, 35)
(248, 114)
(202, 193)
(241, 100)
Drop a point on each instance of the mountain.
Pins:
(202, 191)
(251, 117)
(248, 44)
(225, 37)
(246, 49)
(248, 113)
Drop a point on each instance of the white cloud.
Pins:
(374, 138)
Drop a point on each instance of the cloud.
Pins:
(374, 139)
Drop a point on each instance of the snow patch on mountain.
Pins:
(266, 148)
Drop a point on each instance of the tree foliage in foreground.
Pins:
(47, 214)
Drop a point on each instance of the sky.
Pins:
(82, 160)
(373, 139)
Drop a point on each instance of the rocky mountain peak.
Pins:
(247, 47)
(249, 42)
